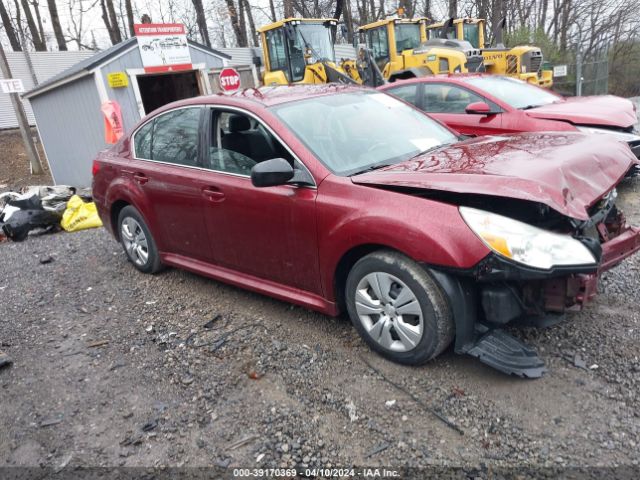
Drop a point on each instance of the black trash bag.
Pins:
(30, 203)
(20, 223)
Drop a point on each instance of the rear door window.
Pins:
(445, 98)
(142, 141)
(176, 137)
(408, 93)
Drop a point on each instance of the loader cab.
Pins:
(388, 39)
(466, 29)
(291, 45)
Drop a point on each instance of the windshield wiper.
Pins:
(529, 107)
(370, 168)
(377, 166)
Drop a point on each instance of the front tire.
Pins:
(137, 241)
(398, 309)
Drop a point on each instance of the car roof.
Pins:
(446, 77)
(272, 95)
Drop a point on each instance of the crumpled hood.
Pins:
(569, 172)
(605, 110)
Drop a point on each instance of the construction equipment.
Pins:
(523, 62)
(300, 50)
(400, 49)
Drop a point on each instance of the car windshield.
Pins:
(318, 37)
(358, 131)
(514, 92)
(407, 36)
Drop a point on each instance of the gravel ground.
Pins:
(115, 368)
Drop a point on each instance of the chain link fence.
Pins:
(595, 77)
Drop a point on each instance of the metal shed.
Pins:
(67, 106)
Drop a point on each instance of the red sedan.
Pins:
(477, 104)
(345, 199)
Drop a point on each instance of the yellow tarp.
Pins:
(80, 215)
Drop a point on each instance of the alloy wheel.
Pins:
(389, 311)
(135, 241)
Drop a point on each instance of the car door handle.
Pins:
(213, 194)
(137, 176)
(140, 178)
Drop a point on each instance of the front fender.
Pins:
(425, 230)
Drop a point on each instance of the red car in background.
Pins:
(478, 104)
(345, 199)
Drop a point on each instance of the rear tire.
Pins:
(398, 309)
(137, 241)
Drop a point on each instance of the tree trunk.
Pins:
(272, 9)
(110, 21)
(235, 22)
(348, 21)
(252, 25)
(55, 23)
(38, 42)
(114, 21)
(288, 8)
(243, 23)
(130, 19)
(496, 15)
(427, 10)
(453, 8)
(202, 22)
(36, 8)
(8, 27)
(407, 6)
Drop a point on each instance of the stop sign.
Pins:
(229, 80)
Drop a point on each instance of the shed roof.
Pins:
(87, 65)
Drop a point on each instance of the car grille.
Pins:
(536, 63)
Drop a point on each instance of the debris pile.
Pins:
(40, 209)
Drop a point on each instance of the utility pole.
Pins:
(579, 64)
(27, 57)
(25, 131)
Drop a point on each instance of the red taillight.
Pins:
(95, 168)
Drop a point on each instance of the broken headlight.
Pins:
(524, 243)
(624, 136)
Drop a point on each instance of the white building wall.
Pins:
(46, 65)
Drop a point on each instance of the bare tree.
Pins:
(75, 27)
(110, 21)
(202, 22)
(453, 8)
(8, 28)
(55, 24)
(252, 25)
(288, 8)
(130, 20)
(236, 25)
(36, 9)
(38, 42)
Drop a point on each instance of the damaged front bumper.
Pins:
(498, 292)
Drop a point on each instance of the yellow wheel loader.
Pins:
(523, 62)
(399, 49)
(300, 50)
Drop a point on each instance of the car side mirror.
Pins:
(270, 173)
(478, 108)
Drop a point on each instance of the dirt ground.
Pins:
(118, 369)
(14, 165)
